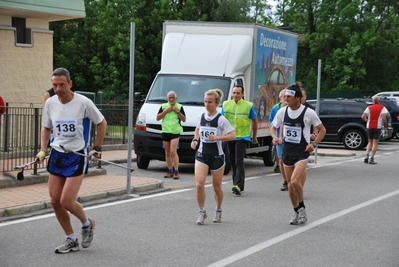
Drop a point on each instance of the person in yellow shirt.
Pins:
(240, 113)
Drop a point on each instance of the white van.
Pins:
(391, 95)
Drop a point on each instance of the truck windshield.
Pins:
(190, 90)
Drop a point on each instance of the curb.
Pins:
(18, 210)
(322, 154)
(30, 179)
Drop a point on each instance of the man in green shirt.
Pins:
(171, 114)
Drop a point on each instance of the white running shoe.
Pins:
(302, 217)
(218, 217)
(201, 217)
(294, 218)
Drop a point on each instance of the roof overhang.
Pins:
(53, 10)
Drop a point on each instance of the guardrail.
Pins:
(20, 133)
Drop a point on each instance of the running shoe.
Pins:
(302, 217)
(371, 161)
(366, 160)
(69, 245)
(201, 217)
(236, 190)
(168, 175)
(294, 218)
(88, 234)
(218, 217)
(176, 176)
(284, 187)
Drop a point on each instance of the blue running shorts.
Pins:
(67, 164)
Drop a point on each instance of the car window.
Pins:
(331, 109)
(354, 109)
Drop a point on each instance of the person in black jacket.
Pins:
(49, 93)
(303, 99)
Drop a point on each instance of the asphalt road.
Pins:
(352, 210)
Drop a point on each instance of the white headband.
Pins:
(289, 92)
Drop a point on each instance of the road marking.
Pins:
(6, 223)
(2, 224)
(261, 246)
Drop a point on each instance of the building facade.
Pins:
(26, 46)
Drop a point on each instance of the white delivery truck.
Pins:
(198, 56)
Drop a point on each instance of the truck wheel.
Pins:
(262, 109)
(142, 162)
(227, 166)
(354, 139)
(269, 157)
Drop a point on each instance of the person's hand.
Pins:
(194, 144)
(313, 136)
(309, 148)
(175, 109)
(40, 156)
(95, 153)
(255, 141)
(275, 141)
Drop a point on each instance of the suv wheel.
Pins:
(354, 139)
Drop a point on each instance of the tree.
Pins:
(351, 37)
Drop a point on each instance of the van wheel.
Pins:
(269, 157)
(142, 162)
(354, 139)
(227, 166)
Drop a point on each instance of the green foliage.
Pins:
(356, 41)
(96, 49)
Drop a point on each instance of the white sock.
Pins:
(72, 236)
(86, 224)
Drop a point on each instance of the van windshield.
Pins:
(190, 90)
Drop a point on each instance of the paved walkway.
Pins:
(17, 199)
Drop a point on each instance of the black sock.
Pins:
(296, 209)
(301, 205)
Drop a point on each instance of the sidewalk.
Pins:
(17, 199)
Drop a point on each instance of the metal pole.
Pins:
(130, 115)
(318, 100)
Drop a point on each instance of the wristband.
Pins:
(195, 140)
(97, 148)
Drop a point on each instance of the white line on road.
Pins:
(252, 250)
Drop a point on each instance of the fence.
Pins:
(20, 133)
